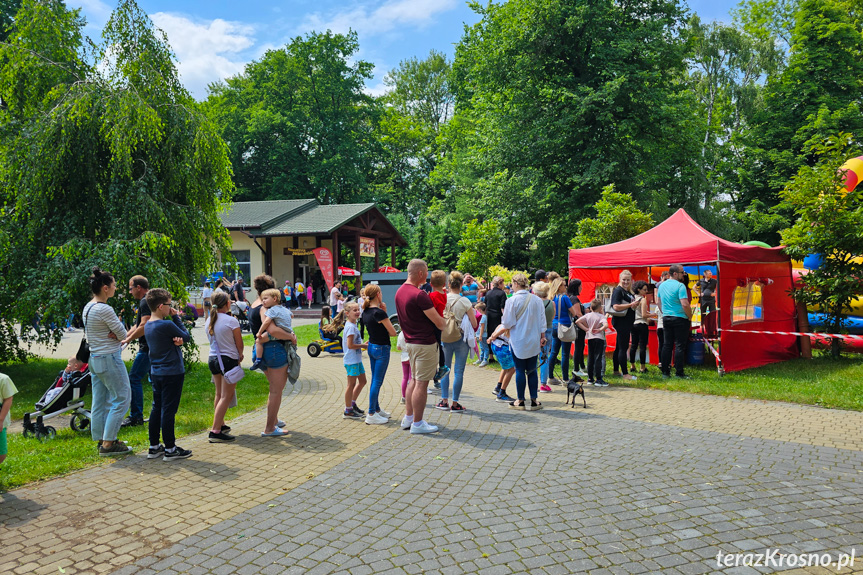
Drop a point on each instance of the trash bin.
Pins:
(695, 350)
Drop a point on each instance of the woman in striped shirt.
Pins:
(111, 391)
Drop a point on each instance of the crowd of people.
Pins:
(445, 319)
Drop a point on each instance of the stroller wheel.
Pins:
(28, 433)
(46, 432)
(79, 422)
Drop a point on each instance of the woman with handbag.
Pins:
(563, 330)
(579, 362)
(226, 354)
(455, 351)
(623, 300)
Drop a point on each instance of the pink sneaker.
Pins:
(545, 389)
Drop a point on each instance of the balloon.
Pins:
(853, 173)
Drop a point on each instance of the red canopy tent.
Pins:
(680, 240)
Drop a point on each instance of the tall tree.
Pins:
(565, 97)
(816, 95)
(298, 124)
(108, 165)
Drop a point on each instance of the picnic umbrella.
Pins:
(387, 270)
(350, 272)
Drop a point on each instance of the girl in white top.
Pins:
(223, 332)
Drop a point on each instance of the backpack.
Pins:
(451, 330)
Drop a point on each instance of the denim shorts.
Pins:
(355, 369)
(275, 355)
(504, 356)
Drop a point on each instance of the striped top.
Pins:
(100, 320)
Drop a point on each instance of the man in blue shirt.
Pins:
(673, 300)
(470, 288)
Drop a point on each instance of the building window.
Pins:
(603, 294)
(747, 304)
(243, 267)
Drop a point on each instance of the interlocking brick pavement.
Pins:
(641, 481)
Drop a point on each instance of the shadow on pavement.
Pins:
(15, 511)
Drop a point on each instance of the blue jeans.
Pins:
(522, 377)
(558, 346)
(379, 357)
(140, 369)
(458, 349)
(111, 395)
(543, 369)
(483, 350)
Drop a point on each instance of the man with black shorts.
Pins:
(418, 319)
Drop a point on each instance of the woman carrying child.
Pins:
(223, 331)
(380, 329)
(277, 361)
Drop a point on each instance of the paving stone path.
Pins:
(641, 481)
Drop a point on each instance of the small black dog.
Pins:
(574, 387)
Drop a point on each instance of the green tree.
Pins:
(816, 95)
(617, 218)
(480, 244)
(8, 9)
(108, 165)
(829, 222)
(298, 124)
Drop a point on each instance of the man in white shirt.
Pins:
(335, 294)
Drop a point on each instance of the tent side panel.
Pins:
(747, 350)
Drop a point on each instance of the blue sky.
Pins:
(214, 39)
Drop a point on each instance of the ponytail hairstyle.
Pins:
(372, 291)
(220, 300)
(100, 279)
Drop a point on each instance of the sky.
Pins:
(215, 39)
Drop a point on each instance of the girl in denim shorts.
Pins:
(354, 346)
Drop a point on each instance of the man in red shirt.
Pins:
(420, 322)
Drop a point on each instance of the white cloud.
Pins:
(387, 17)
(207, 50)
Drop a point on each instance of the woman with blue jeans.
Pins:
(380, 329)
(458, 350)
(564, 311)
(112, 393)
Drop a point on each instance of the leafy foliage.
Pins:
(829, 222)
(110, 165)
(617, 218)
(480, 244)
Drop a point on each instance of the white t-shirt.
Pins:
(223, 334)
(335, 294)
(207, 292)
(352, 356)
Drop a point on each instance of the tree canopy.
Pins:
(106, 160)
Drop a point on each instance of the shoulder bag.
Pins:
(451, 330)
(609, 309)
(232, 376)
(83, 354)
(567, 333)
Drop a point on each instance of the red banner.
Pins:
(325, 262)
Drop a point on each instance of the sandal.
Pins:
(512, 405)
(534, 405)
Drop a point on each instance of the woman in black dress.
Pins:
(622, 299)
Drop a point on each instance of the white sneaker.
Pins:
(424, 427)
(376, 419)
(407, 422)
(482, 364)
(384, 414)
(402, 401)
(280, 423)
(581, 373)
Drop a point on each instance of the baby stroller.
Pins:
(63, 396)
(238, 310)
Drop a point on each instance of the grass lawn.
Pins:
(31, 460)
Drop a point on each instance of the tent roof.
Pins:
(677, 240)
